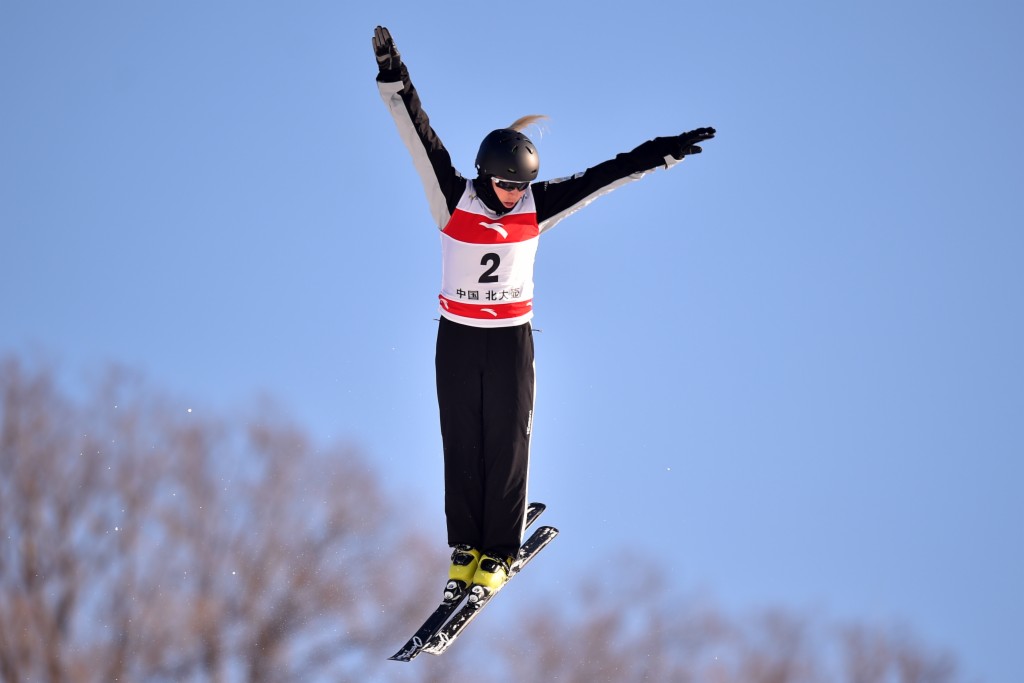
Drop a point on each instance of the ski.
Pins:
(454, 592)
(479, 596)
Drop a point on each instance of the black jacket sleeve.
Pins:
(441, 182)
(559, 198)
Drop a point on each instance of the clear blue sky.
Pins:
(791, 366)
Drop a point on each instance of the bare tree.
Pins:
(883, 655)
(630, 626)
(143, 542)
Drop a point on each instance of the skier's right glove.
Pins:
(687, 142)
(385, 50)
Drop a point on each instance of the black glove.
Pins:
(687, 142)
(385, 50)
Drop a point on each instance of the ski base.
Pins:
(455, 592)
(432, 625)
(479, 597)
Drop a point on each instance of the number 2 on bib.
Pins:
(489, 276)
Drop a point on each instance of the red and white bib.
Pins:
(487, 263)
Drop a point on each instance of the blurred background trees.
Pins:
(140, 541)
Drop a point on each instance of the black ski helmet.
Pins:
(508, 154)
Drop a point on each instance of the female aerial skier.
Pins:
(490, 227)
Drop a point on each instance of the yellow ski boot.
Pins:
(492, 572)
(462, 570)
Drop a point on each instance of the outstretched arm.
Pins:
(557, 199)
(442, 183)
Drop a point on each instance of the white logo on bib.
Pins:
(496, 227)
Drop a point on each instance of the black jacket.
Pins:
(555, 199)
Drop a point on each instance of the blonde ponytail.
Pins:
(529, 120)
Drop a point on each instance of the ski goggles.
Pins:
(510, 185)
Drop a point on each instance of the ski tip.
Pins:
(403, 656)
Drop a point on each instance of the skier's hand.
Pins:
(687, 142)
(385, 50)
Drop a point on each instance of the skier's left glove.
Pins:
(686, 143)
(385, 50)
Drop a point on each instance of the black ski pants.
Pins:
(485, 391)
